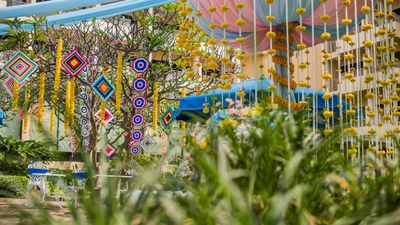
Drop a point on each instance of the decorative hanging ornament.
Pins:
(140, 84)
(164, 149)
(140, 65)
(137, 120)
(84, 96)
(74, 63)
(85, 133)
(164, 136)
(9, 85)
(137, 135)
(107, 116)
(103, 87)
(147, 143)
(167, 119)
(139, 102)
(35, 111)
(84, 110)
(136, 150)
(20, 67)
(84, 122)
(110, 151)
(133, 163)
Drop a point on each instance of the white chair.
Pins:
(36, 180)
(80, 178)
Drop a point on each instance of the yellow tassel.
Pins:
(183, 124)
(103, 103)
(26, 117)
(155, 107)
(72, 102)
(119, 85)
(15, 96)
(67, 106)
(57, 79)
(41, 99)
(103, 111)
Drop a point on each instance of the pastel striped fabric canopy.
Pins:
(279, 11)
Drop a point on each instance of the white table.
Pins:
(43, 182)
(119, 182)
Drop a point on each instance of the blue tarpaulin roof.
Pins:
(191, 107)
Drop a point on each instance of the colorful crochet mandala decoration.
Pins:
(103, 87)
(167, 119)
(74, 63)
(140, 65)
(107, 116)
(147, 143)
(20, 67)
(9, 85)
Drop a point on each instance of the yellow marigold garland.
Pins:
(41, 99)
(118, 85)
(57, 79)
(72, 102)
(67, 106)
(155, 107)
(15, 96)
(26, 117)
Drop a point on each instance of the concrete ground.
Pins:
(13, 211)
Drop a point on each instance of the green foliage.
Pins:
(12, 186)
(16, 155)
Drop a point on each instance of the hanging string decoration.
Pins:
(110, 151)
(138, 120)
(84, 110)
(20, 67)
(107, 116)
(139, 102)
(140, 65)
(26, 117)
(147, 143)
(140, 84)
(137, 135)
(136, 150)
(74, 63)
(9, 85)
(167, 119)
(103, 87)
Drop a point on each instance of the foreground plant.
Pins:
(265, 168)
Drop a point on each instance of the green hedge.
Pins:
(12, 186)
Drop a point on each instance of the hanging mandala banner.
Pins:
(84, 110)
(137, 120)
(137, 135)
(20, 67)
(35, 111)
(107, 116)
(147, 143)
(74, 63)
(103, 87)
(136, 150)
(110, 151)
(140, 84)
(133, 163)
(9, 85)
(140, 65)
(167, 119)
(139, 102)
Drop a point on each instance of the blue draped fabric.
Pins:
(191, 107)
(98, 12)
(42, 8)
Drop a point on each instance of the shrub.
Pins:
(12, 186)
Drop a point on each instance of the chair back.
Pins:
(36, 168)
